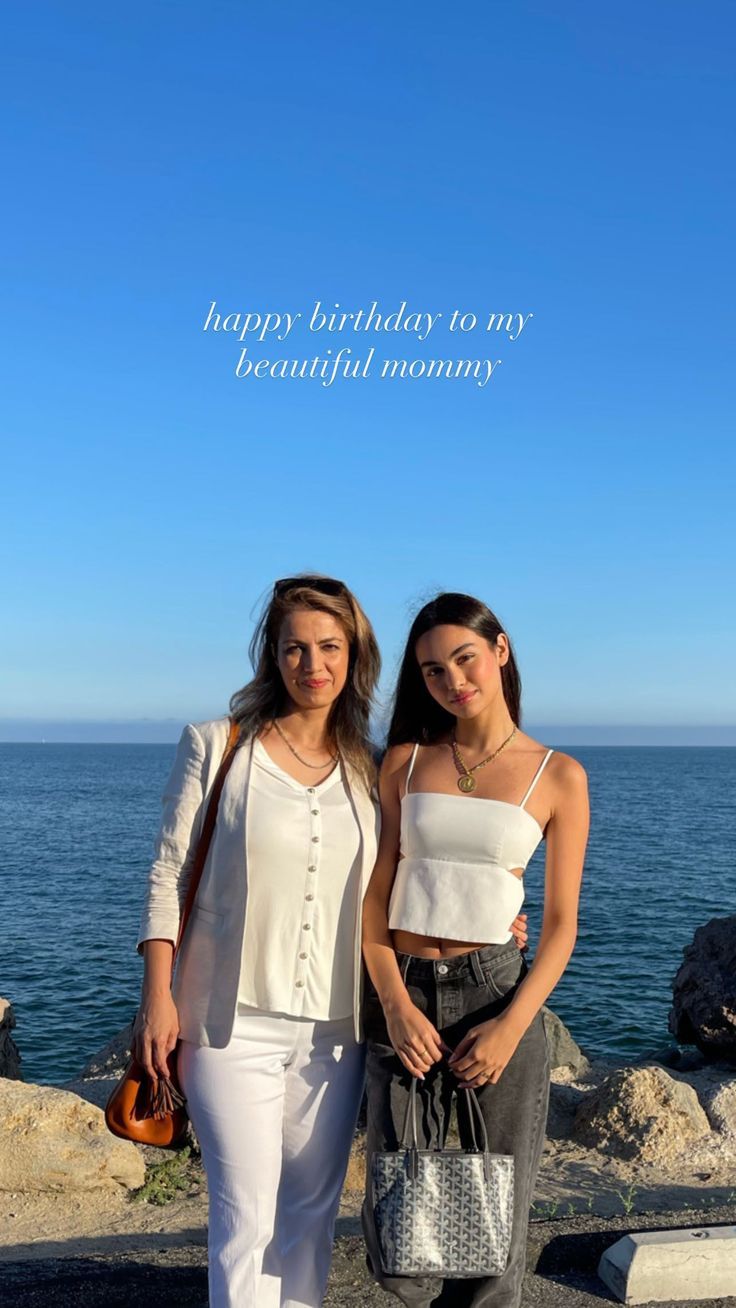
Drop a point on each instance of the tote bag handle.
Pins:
(409, 1138)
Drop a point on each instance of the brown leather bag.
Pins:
(154, 1112)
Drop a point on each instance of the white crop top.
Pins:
(454, 880)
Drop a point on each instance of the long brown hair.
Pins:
(416, 716)
(264, 698)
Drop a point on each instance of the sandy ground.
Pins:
(572, 1181)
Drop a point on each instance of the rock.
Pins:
(563, 1051)
(53, 1140)
(112, 1060)
(101, 1073)
(703, 1010)
(680, 1060)
(640, 1113)
(94, 1091)
(9, 1053)
(564, 1101)
(719, 1102)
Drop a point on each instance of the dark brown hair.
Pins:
(262, 699)
(416, 716)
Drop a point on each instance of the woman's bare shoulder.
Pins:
(567, 775)
(565, 765)
(560, 764)
(563, 771)
(396, 759)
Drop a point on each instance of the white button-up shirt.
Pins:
(303, 887)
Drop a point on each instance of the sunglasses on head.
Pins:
(323, 585)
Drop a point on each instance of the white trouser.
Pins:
(275, 1114)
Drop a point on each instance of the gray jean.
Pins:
(455, 994)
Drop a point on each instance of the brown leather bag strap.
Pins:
(208, 826)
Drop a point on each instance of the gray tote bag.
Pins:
(447, 1211)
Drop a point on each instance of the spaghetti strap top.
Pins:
(455, 878)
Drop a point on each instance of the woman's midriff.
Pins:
(406, 942)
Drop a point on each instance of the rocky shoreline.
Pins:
(654, 1136)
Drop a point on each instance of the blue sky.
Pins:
(569, 161)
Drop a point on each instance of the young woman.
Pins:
(466, 797)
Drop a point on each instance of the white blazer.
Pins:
(207, 975)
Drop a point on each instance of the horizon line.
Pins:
(166, 731)
(546, 722)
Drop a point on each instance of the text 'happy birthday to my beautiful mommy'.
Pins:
(257, 326)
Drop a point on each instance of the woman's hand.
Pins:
(155, 1032)
(414, 1039)
(484, 1052)
(519, 931)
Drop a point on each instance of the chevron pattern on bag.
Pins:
(454, 1218)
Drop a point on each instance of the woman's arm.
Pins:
(156, 1026)
(412, 1035)
(484, 1052)
(176, 842)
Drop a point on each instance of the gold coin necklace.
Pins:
(467, 782)
(317, 767)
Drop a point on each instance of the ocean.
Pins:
(76, 829)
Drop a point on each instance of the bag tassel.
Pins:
(162, 1100)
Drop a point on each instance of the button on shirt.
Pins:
(303, 886)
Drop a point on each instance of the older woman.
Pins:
(267, 988)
